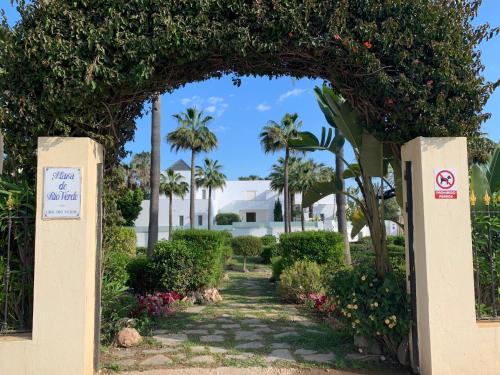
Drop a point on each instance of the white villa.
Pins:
(253, 201)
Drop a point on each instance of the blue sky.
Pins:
(241, 112)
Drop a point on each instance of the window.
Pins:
(322, 216)
(251, 217)
(251, 194)
(181, 221)
(200, 220)
(203, 194)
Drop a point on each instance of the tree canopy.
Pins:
(86, 67)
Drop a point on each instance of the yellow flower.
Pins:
(387, 321)
(387, 290)
(355, 307)
(393, 317)
(375, 304)
(378, 333)
(372, 318)
(10, 203)
(363, 277)
(348, 315)
(357, 321)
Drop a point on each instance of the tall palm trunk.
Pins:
(341, 201)
(1, 152)
(209, 208)
(154, 181)
(192, 190)
(286, 196)
(291, 202)
(170, 224)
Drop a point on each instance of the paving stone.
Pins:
(305, 352)
(280, 345)
(250, 345)
(247, 336)
(285, 334)
(251, 321)
(212, 338)
(230, 326)
(126, 353)
(213, 349)
(197, 349)
(172, 339)
(219, 332)
(195, 332)
(315, 331)
(209, 326)
(195, 309)
(263, 330)
(280, 355)
(321, 358)
(203, 359)
(160, 351)
(160, 332)
(126, 362)
(307, 324)
(156, 360)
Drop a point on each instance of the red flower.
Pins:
(429, 82)
(367, 44)
(290, 34)
(337, 37)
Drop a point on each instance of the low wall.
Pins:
(65, 335)
(450, 340)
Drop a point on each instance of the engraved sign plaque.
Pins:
(61, 193)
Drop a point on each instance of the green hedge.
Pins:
(193, 259)
(122, 239)
(119, 248)
(317, 246)
(227, 218)
(142, 275)
(246, 245)
(268, 239)
(268, 252)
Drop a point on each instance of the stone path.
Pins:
(250, 327)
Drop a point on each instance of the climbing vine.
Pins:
(86, 67)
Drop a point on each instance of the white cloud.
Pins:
(220, 129)
(263, 107)
(294, 92)
(211, 109)
(214, 100)
(185, 101)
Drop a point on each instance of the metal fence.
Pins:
(16, 273)
(486, 251)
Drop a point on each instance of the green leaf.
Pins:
(479, 184)
(371, 156)
(494, 171)
(319, 191)
(358, 222)
(352, 171)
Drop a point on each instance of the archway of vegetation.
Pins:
(86, 67)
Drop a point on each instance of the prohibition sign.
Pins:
(445, 179)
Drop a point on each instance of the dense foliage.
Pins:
(227, 218)
(318, 246)
(130, 205)
(300, 280)
(192, 260)
(368, 306)
(246, 246)
(270, 248)
(85, 68)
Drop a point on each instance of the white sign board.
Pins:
(445, 183)
(62, 189)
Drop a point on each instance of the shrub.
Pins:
(374, 308)
(321, 247)
(396, 240)
(156, 305)
(277, 266)
(268, 252)
(300, 280)
(130, 206)
(268, 239)
(120, 239)
(142, 276)
(192, 260)
(227, 218)
(141, 250)
(228, 254)
(246, 246)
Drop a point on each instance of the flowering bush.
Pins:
(367, 306)
(301, 279)
(321, 303)
(156, 305)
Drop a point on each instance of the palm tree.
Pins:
(341, 201)
(277, 177)
(275, 137)
(305, 174)
(211, 177)
(172, 184)
(154, 181)
(140, 166)
(1, 152)
(192, 134)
